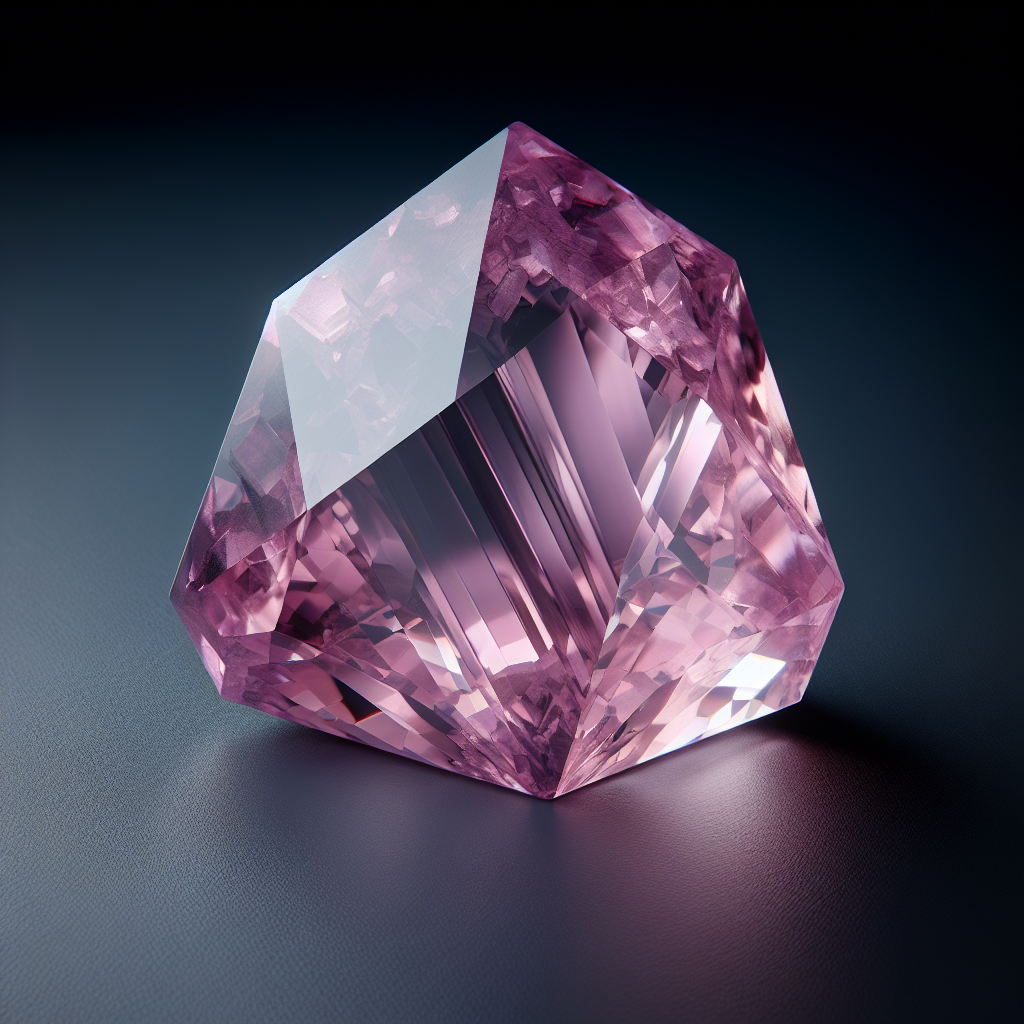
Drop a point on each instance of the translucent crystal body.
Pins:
(510, 489)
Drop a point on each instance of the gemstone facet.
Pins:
(510, 489)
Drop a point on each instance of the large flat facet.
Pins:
(597, 545)
(372, 340)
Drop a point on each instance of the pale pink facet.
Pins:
(606, 548)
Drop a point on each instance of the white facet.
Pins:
(743, 689)
(751, 675)
(372, 341)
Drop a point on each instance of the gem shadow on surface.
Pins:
(782, 835)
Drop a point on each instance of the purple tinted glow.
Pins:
(606, 548)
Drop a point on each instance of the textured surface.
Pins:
(171, 857)
(606, 549)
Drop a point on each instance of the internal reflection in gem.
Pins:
(605, 548)
(533, 568)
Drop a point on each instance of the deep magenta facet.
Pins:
(510, 489)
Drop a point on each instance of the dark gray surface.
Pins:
(171, 857)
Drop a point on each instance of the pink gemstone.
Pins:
(510, 489)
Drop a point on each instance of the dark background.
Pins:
(167, 170)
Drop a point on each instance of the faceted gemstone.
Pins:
(510, 489)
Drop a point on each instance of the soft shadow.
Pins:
(795, 869)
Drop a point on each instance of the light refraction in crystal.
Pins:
(510, 489)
